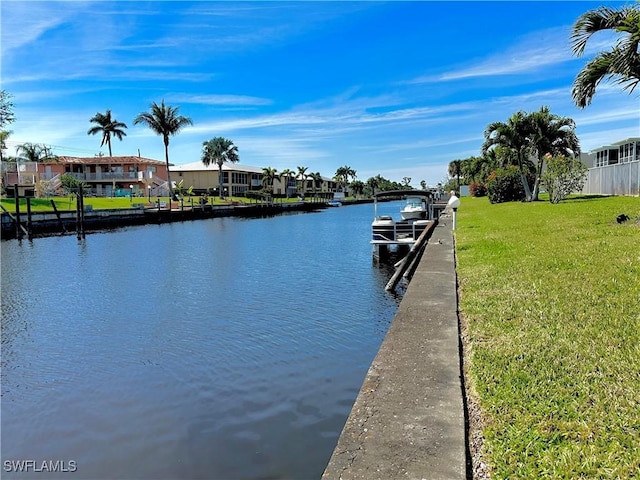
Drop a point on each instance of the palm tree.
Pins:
(317, 181)
(219, 150)
(514, 136)
(107, 127)
(269, 174)
(164, 120)
(302, 176)
(286, 174)
(621, 62)
(551, 135)
(34, 152)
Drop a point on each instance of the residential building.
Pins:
(105, 176)
(614, 169)
(238, 179)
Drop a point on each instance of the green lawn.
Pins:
(550, 307)
(99, 203)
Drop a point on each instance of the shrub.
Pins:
(505, 185)
(563, 176)
(477, 189)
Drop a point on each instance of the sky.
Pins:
(398, 89)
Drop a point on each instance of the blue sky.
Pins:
(398, 89)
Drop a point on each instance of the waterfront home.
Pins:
(614, 169)
(238, 179)
(105, 176)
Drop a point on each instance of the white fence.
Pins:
(619, 179)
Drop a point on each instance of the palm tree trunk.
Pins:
(220, 180)
(536, 185)
(109, 145)
(166, 159)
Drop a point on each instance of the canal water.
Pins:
(215, 349)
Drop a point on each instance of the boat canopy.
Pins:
(403, 193)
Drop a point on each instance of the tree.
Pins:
(35, 152)
(219, 150)
(343, 174)
(563, 176)
(269, 174)
(358, 187)
(551, 135)
(514, 136)
(621, 63)
(107, 127)
(317, 181)
(164, 120)
(285, 175)
(6, 118)
(302, 176)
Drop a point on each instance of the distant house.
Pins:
(614, 169)
(238, 179)
(105, 176)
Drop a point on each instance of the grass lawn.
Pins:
(99, 203)
(550, 308)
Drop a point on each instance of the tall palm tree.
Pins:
(622, 62)
(164, 120)
(302, 176)
(107, 126)
(551, 135)
(514, 136)
(219, 150)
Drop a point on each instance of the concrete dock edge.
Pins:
(408, 420)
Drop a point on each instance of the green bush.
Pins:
(564, 175)
(505, 185)
(477, 189)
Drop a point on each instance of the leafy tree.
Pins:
(4, 135)
(35, 152)
(406, 181)
(6, 109)
(504, 185)
(107, 127)
(71, 184)
(423, 184)
(164, 120)
(621, 63)
(563, 176)
(6, 118)
(514, 136)
(551, 135)
(219, 150)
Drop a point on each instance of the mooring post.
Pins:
(55, 209)
(82, 211)
(78, 213)
(16, 196)
(29, 232)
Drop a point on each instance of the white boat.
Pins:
(334, 203)
(389, 232)
(415, 208)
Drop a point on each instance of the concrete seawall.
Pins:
(408, 421)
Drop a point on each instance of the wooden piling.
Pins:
(55, 209)
(16, 196)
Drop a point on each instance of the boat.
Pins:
(334, 203)
(415, 208)
(390, 233)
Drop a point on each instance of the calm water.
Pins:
(217, 349)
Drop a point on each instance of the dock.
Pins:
(408, 420)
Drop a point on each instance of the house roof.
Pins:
(126, 159)
(226, 166)
(615, 145)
